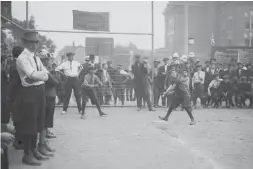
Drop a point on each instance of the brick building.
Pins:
(231, 24)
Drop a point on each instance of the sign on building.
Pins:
(99, 46)
(91, 21)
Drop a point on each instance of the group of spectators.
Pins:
(212, 83)
(116, 82)
(28, 83)
(31, 80)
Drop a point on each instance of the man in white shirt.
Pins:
(71, 70)
(107, 84)
(32, 109)
(198, 85)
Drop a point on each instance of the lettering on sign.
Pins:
(92, 21)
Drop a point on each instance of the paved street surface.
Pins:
(127, 139)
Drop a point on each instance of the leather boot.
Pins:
(42, 150)
(38, 156)
(102, 113)
(30, 160)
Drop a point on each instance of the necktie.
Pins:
(36, 63)
(70, 65)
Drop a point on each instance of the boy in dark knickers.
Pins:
(180, 95)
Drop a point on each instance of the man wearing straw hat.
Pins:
(33, 76)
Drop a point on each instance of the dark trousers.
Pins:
(157, 93)
(5, 110)
(30, 143)
(227, 96)
(89, 94)
(50, 107)
(198, 93)
(72, 83)
(4, 157)
(100, 96)
(129, 93)
(143, 93)
(119, 93)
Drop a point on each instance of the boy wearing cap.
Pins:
(226, 91)
(240, 71)
(50, 91)
(213, 89)
(120, 81)
(180, 95)
(90, 82)
(198, 81)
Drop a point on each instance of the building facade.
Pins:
(230, 23)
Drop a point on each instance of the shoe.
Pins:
(163, 118)
(59, 103)
(50, 134)
(83, 116)
(151, 110)
(138, 109)
(42, 150)
(193, 123)
(102, 113)
(48, 148)
(63, 112)
(38, 156)
(30, 160)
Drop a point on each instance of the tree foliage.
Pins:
(18, 33)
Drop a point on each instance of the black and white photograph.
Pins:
(126, 84)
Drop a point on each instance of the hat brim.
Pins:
(30, 40)
(70, 54)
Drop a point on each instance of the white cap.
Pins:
(191, 54)
(184, 58)
(175, 55)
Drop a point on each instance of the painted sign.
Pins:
(91, 21)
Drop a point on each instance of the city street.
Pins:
(127, 139)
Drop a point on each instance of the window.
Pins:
(247, 25)
(247, 42)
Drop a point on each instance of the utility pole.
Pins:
(186, 30)
(27, 15)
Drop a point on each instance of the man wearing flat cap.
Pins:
(32, 110)
(141, 83)
(156, 90)
(162, 72)
(240, 71)
(71, 69)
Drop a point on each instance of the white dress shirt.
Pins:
(71, 69)
(26, 66)
(198, 77)
(165, 68)
(106, 76)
